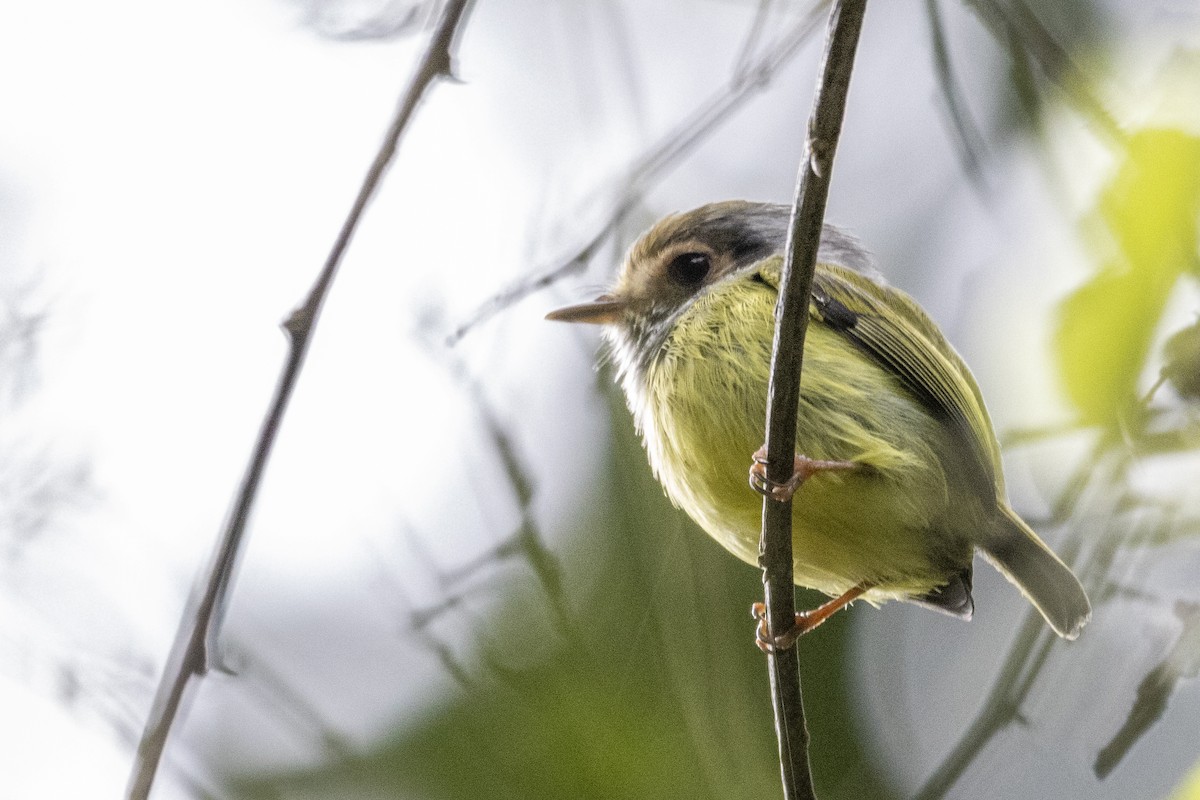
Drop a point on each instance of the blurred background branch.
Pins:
(750, 77)
(196, 648)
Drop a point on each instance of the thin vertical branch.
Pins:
(791, 322)
(192, 652)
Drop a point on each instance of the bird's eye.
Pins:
(689, 269)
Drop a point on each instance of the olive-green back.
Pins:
(893, 330)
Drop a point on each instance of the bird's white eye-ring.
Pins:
(689, 269)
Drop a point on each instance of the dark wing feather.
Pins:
(893, 330)
(897, 334)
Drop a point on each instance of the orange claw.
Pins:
(805, 620)
(803, 469)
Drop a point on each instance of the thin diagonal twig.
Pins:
(192, 652)
(1029, 649)
(791, 322)
(745, 59)
(1018, 29)
(655, 162)
(970, 143)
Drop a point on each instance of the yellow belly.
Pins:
(896, 522)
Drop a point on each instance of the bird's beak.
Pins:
(604, 310)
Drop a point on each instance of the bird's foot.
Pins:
(805, 620)
(803, 469)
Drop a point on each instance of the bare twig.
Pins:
(1000, 709)
(791, 322)
(657, 160)
(745, 59)
(1016, 27)
(284, 701)
(1181, 661)
(526, 541)
(194, 647)
(1031, 647)
(970, 142)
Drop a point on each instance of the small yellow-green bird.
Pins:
(905, 473)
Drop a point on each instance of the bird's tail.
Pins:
(1023, 558)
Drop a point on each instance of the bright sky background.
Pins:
(170, 180)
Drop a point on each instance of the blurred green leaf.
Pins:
(1150, 211)
(1190, 788)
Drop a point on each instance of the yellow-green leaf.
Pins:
(1150, 210)
(1190, 788)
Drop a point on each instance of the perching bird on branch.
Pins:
(900, 466)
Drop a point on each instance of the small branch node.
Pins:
(818, 157)
(298, 324)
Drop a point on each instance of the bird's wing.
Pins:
(896, 333)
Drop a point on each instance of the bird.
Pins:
(900, 470)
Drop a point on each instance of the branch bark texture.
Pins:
(791, 323)
(192, 653)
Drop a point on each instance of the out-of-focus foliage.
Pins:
(1181, 354)
(1042, 42)
(1150, 211)
(37, 484)
(651, 689)
(1190, 788)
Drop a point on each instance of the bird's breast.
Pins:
(701, 407)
